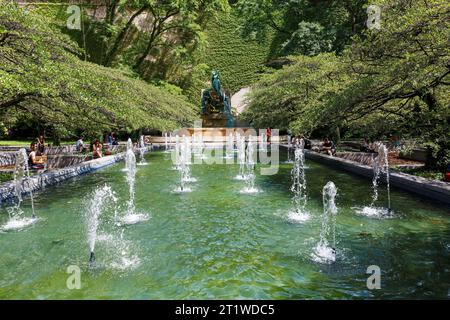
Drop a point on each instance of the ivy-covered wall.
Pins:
(240, 61)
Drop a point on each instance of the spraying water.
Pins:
(325, 251)
(230, 147)
(101, 197)
(177, 154)
(380, 167)
(21, 175)
(130, 163)
(263, 142)
(250, 168)
(142, 161)
(131, 217)
(241, 157)
(289, 139)
(184, 159)
(237, 137)
(198, 145)
(187, 160)
(166, 141)
(298, 187)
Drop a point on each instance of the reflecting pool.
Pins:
(218, 243)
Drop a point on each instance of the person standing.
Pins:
(110, 139)
(80, 145)
(269, 134)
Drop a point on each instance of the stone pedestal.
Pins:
(214, 120)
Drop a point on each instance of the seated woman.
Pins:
(34, 161)
(97, 149)
(328, 147)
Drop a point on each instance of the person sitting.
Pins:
(80, 145)
(34, 160)
(97, 149)
(328, 147)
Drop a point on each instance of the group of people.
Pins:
(367, 146)
(96, 147)
(111, 139)
(327, 146)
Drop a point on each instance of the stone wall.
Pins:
(415, 155)
(7, 159)
(363, 158)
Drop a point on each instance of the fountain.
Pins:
(289, 139)
(241, 157)
(298, 187)
(131, 217)
(21, 174)
(166, 142)
(325, 251)
(187, 155)
(229, 154)
(380, 166)
(237, 137)
(197, 144)
(250, 168)
(101, 197)
(263, 142)
(183, 157)
(142, 161)
(176, 154)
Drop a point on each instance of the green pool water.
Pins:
(216, 243)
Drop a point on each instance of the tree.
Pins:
(296, 97)
(42, 77)
(390, 80)
(164, 20)
(327, 25)
(404, 70)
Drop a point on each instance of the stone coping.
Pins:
(436, 190)
(40, 181)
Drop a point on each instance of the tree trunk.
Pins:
(111, 15)
(155, 32)
(430, 100)
(115, 47)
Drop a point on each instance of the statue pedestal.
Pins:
(214, 120)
